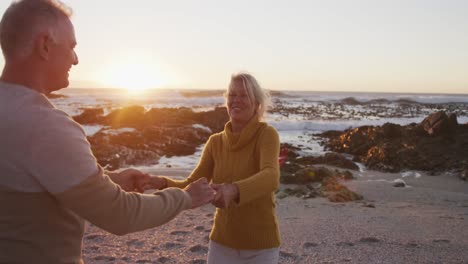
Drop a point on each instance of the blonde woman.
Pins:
(242, 164)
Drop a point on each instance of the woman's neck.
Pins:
(237, 126)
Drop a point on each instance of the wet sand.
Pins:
(424, 222)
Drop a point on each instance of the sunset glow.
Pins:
(133, 76)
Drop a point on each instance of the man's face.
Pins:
(62, 56)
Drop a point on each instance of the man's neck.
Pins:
(21, 76)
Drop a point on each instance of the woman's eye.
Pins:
(241, 96)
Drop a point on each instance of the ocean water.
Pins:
(297, 115)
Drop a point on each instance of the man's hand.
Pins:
(201, 192)
(131, 180)
(157, 182)
(225, 194)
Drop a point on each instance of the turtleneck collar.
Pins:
(239, 140)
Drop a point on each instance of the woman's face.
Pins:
(240, 107)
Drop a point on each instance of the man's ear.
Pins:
(43, 45)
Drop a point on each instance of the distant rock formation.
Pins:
(435, 145)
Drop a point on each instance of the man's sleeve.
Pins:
(61, 160)
(103, 203)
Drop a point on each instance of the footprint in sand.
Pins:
(172, 245)
(199, 228)
(135, 243)
(309, 245)
(163, 260)
(446, 217)
(198, 261)
(440, 241)
(287, 255)
(369, 205)
(94, 248)
(209, 215)
(95, 237)
(105, 258)
(199, 249)
(143, 261)
(344, 244)
(178, 232)
(412, 245)
(369, 240)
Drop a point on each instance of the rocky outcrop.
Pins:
(319, 181)
(314, 180)
(134, 136)
(439, 124)
(90, 116)
(437, 144)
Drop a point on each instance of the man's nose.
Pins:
(75, 61)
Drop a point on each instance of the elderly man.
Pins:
(50, 181)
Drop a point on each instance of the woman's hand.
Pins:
(225, 194)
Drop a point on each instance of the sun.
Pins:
(133, 76)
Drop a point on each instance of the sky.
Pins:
(334, 45)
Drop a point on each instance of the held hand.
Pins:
(156, 182)
(225, 194)
(201, 192)
(131, 180)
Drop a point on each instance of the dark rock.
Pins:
(391, 130)
(393, 148)
(337, 192)
(215, 119)
(90, 116)
(464, 174)
(399, 183)
(350, 101)
(439, 123)
(132, 116)
(145, 146)
(157, 132)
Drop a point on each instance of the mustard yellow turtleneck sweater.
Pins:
(249, 160)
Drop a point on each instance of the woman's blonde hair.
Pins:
(256, 93)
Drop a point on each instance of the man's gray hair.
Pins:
(24, 19)
(256, 93)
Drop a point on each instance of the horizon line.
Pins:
(271, 90)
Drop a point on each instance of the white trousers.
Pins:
(219, 254)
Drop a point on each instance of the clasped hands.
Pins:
(220, 195)
(201, 192)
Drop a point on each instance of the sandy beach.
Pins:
(424, 222)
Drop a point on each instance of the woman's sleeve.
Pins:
(204, 168)
(267, 179)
